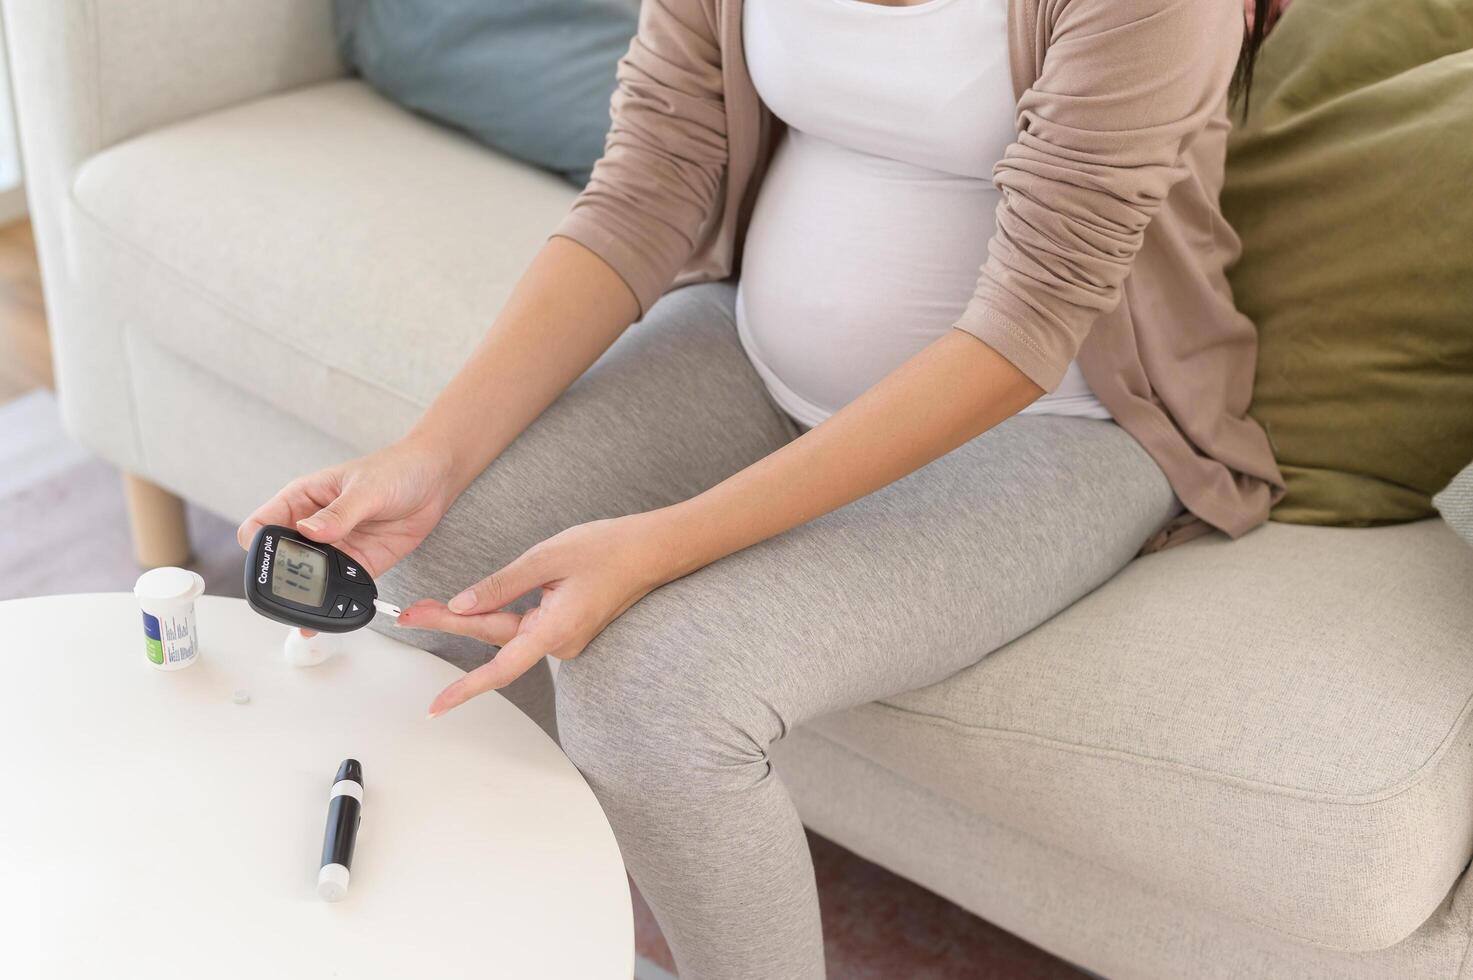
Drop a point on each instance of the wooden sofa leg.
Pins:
(160, 536)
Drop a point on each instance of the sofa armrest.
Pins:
(92, 73)
(89, 74)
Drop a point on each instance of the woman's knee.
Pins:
(649, 709)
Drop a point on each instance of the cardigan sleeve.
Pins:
(1124, 88)
(665, 155)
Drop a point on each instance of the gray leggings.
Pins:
(670, 712)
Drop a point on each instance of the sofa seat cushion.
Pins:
(324, 249)
(1276, 728)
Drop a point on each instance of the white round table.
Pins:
(152, 827)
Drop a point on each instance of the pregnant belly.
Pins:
(852, 264)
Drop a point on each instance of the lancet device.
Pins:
(344, 810)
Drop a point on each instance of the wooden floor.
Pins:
(25, 354)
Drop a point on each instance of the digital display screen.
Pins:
(300, 573)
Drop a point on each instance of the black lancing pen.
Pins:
(344, 810)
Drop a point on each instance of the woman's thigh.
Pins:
(895, 591)
(671, 409)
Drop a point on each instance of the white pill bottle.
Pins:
(166, 596)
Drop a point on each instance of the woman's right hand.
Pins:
(377, 508)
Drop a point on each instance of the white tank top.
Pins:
(873, 220)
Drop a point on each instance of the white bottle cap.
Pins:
(169, 584)
(332, 882)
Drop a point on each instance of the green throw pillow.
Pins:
(1351, 184)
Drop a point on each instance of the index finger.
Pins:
(511, 662)
(496, 628)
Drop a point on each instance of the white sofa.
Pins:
(1248, 759)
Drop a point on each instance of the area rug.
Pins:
(63, 519)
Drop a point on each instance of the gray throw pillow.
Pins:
(1455, 503)
(530, 78)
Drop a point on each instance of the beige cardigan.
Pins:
(1109, 245)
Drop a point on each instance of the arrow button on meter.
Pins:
(339, 607)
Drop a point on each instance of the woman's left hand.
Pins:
(589, 574)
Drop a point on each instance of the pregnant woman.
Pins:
(979, 353)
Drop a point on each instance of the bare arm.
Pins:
(566, 310)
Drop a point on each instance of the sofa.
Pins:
(1236, 759)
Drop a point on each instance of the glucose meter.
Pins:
(300, 582)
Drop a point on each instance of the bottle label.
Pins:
(153, 642)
